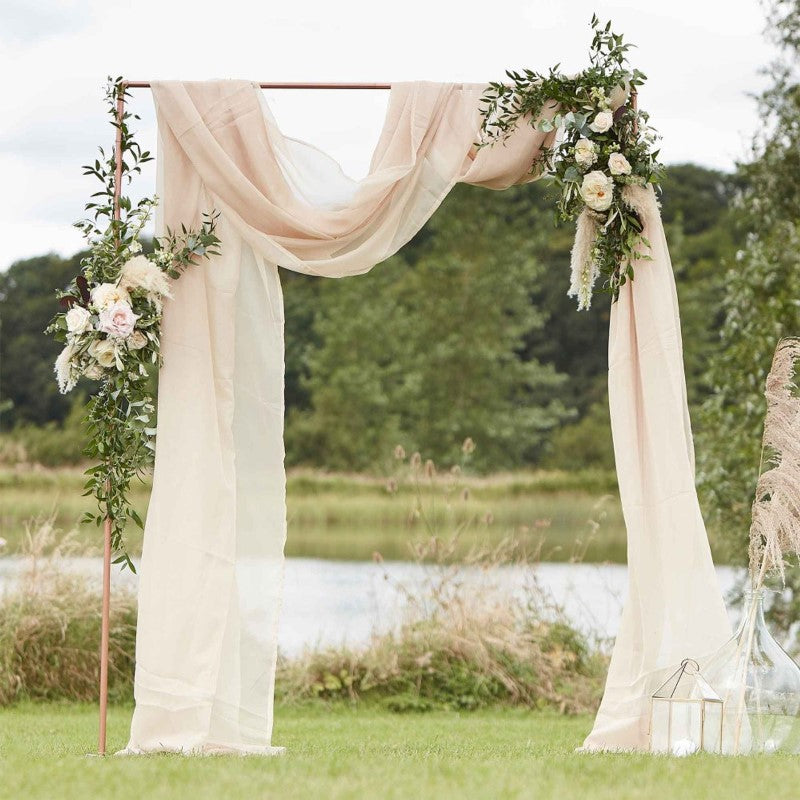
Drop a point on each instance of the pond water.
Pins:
(344, 602)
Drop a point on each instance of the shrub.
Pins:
(51, 445)
(464, 645)
(50, 631)
(583, 444)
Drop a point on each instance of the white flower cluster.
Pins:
(597, 190)
(100, 332)
(603, 174)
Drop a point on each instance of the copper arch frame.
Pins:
(105, 617)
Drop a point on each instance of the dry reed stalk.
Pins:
(775, 528)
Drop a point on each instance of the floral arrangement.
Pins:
(110, 322)
(603, 160)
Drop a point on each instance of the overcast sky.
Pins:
(702, 58)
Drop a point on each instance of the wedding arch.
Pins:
(216, 525)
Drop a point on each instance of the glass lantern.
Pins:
(760, 687)
(686, 714)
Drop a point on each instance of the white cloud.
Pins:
(701, 61)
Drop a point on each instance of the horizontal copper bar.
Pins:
(146, 85)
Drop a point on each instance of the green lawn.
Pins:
(366, 754)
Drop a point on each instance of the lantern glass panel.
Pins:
(712, 727)
(659, 726)
(686, 722)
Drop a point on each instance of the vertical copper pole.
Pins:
(106, 611)
(104, 634)
(635, 107)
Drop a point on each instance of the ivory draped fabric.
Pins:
(212, 565)
(674, 607)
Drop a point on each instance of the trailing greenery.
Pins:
(110, 323)
(600, 132)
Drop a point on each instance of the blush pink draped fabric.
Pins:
(674, 607)
(212, 566)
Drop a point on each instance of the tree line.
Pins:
(466, 332)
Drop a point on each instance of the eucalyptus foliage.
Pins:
(575, 107)
(120, 351)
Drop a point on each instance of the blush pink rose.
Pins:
(117, 320)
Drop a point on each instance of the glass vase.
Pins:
(760, 687)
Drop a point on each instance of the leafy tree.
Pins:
(357, 374)
(585, 443)
(402, 334)
(428, 353)
(576, 344)
(300, 304)
(472, 297)
(759, 296)
(28, 391)
(703, 237)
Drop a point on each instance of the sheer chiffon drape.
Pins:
(212, 564)
(674, 607)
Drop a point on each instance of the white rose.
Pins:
(618, 164)
(136, 341)
(104, 351)
(597, 190)
(78, 319)
(94, 372)
(141, 273)
(602, 122)
(585, 152)
(107, 294)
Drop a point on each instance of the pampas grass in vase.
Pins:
(775, 527)
(759, 682)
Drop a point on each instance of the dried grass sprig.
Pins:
(775, 527)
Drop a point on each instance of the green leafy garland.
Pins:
(603, 158)
(110, 323)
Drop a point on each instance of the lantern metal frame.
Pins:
(671, 701)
